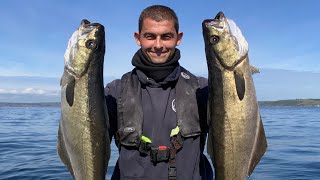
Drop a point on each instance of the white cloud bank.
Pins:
(31, 91)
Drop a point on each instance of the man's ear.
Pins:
(137, 37)
(180, 34)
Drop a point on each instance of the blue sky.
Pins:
(34, 33)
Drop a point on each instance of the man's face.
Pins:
(158, 40)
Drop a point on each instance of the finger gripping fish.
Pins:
(83, 140)
(236, 139)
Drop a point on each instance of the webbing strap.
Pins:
(175, 146)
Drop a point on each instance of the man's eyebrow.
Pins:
(168, 34)
(149, 34)
(153, 34)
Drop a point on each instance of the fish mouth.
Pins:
(220, 16)
(86, 27)
(217, 22)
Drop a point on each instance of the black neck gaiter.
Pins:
(158, 72)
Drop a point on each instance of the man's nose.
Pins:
(158, 43)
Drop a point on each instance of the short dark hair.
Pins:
(159, 13)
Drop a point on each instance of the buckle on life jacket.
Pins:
(159, 154)
(172, 173)
(144, 147)
(156, 154)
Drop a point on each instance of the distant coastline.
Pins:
(289, 102)
(292, 102)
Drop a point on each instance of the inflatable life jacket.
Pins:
(130, 118)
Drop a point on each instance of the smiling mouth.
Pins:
(158, 53)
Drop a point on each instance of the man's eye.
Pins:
(167, 37)
(149, 37)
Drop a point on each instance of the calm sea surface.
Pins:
(28, 138)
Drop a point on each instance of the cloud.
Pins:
(31, 91)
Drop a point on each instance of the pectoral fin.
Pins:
(70, 91)
(259, 148)
(240, 84)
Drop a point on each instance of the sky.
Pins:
(34, 33)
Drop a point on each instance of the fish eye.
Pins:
(91, 44)
(214, 39)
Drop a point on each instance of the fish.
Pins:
(236, 138)
(83, 139)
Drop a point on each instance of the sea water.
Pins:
(28, 141)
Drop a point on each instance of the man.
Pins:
(157, 111)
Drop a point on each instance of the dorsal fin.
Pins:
(254, 70)
(63, 153)
(259, 147)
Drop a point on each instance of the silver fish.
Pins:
(83, 139)
(236, 139)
